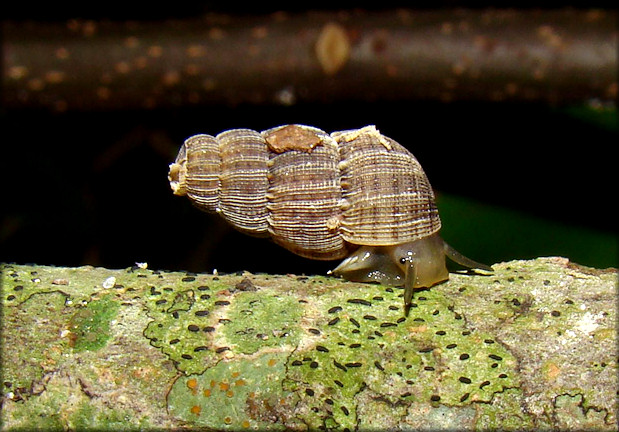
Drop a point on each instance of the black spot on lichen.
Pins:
(222, 303)
(359, 301)
(334, 321)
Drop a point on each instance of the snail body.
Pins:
(352, 194)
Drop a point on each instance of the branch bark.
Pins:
(552, 56)
(531, 346)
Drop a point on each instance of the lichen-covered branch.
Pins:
(551, 56)
(531, 346)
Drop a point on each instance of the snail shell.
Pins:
(354, 193)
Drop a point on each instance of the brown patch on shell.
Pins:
(292, 137)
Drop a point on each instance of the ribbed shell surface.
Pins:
(203, 168)
(387, 197)
(244, 183)
(304, 199)
(318, 201)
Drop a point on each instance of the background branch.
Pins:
(552, 56)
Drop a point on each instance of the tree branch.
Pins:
(531, 346)
(552, 56)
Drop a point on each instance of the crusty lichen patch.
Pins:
(531, 346)
(241, 394)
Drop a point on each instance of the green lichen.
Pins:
(506, 413)
(572, 412)
(90, 325)
(257, 321)
(188, 339)
(243, 393)
(365, 341)
(31, 341)
(531, 346)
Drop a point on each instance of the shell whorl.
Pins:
(318, 195)
(388, 198)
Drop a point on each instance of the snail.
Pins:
(353, 194)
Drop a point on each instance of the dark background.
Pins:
(513, 180)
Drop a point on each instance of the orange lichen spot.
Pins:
(235, 374)
(207, 392)
(240, 382)
(229, 393)
(282, 402)
(552, 372)
(213, 383)
(155, 51)
(245, 424)
(227, 420)
(223, 386)
(418, 329)
(196, 410)
(192, 383)
(272, 362)
(252, 395)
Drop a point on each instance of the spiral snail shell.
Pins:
(356, 194)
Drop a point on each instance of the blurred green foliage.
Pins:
(490, 234)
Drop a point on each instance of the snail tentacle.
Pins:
(458, 258)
